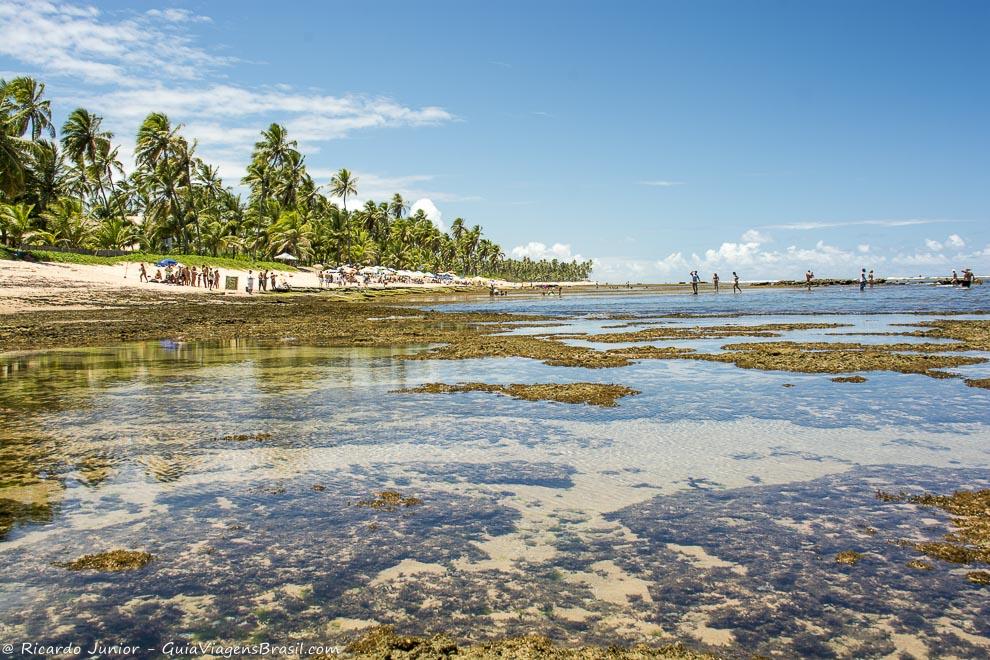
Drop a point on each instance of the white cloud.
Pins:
(863, 248)
(661, 183)
(124, 65)
(536, 250)
(431, 211)
(954, 240)
(755, 236)
(178, 15)
(935, 246)
(64, 39)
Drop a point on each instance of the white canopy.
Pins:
(285, 256)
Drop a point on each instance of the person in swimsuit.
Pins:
(808, 276)
(715, 281)
(870, 279)
(735, 283)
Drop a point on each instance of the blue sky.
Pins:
(655, 137)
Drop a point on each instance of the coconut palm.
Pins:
(88, 146)
(15, 223)
(114, 234)
(67, 223)
(30, 107)
(291, 233)
(397, 207)
(342, 184)
(15, 151)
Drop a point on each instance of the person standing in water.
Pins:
(735, 283)
(694, 282)
(808, 276)
(715, 281)
(862, 279)
(870, 279)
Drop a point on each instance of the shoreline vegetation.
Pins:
(74, 192)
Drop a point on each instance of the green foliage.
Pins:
(174, 202)
(236, 263)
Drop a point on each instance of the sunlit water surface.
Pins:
(708, 508)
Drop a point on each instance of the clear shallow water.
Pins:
(707, 508)
(755, 300)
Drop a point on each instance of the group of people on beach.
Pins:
(266, 281)
(205, 277)
(696, 280)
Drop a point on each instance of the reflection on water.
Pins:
(708, 508)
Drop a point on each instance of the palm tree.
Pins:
(86, 144)
(67, 223)
(156, 141)
(397, 207)
(342, 184)
(15, 223)
(30, 108)
(15, 151)
(291, 233)
(114, 234)
(47, 178)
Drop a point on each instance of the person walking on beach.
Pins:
(862, 279)
(715, 281)
(870, 279)
(250, 283)
(735, 283)
(808, 276)
(271, 276)
(144, 274)
(694, 282)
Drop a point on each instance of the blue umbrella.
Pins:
(167, 262)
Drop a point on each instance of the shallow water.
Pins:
(753, 300)
(707, 508)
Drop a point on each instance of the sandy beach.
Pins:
(27, 286)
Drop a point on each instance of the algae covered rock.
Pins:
(113, 561)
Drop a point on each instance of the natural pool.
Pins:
(710, 507)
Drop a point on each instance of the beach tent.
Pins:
(285, 256)
(167, 262)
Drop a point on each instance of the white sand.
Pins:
(26, 286)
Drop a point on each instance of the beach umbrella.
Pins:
(167, 262)
(285, 256)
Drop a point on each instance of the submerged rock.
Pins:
(596, 394)
(247, 437)
(111, 561)
(969, 542)
(848, 557)
(383, 642)
(390, 499)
